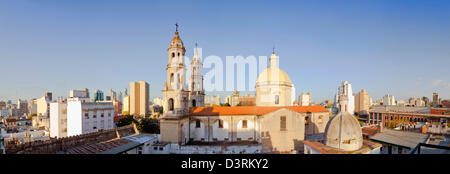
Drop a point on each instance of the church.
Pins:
(274, 125)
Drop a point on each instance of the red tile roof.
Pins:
(251, 110)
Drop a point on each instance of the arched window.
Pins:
(173, 55)
(178, 54)
(171, 78)
(220, 122)
(170, 102)
(244, 123)
(194, 103)
(277, 99)
(197, 124)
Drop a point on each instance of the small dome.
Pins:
(176, 42)
(266, 76)
(350, 134)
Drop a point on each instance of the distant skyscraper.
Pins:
(84, 93)
(389, 100)
(139, 98)
(112, 94)
(345, 93)
(436, 99)
(304, 99)
(119, 97)
(98, 96)
(362, 101)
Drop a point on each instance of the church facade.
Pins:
(274, 125)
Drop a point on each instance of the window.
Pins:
(94, 127)
(220, 122)
(197, 124)
(173, 54)
(244, 123)
(194, 103)
(277, 99)
(320, 120)
(86, 116)
(178, 54)
(307, 120)
(170, 102)
(95, 116)
(102, 115)
(109, 114)
(283, 123)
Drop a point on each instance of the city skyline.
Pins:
(76, 45)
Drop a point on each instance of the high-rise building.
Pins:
(304, 99)
(84, 93)
(139, 98)
(22, 106)
(345, 93)
(362, 101)
(98, 96)
(436, 99)
(389, 100)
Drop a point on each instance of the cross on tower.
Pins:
(273, 50)
(176, 25)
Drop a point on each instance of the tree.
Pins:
(149, 125)
(31, 116)
(126, 121)
(226, 104)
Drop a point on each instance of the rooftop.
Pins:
(251, 110)
(400, 138)
(113, 146)
(323, 149)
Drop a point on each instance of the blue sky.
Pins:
(384, 46)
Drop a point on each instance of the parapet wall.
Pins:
(60, 145)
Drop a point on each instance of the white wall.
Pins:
(74, 118)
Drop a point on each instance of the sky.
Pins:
(398, 47)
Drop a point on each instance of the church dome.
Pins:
(344, 132)
(269, 75)
(176, 42)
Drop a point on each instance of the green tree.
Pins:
(148, 125)
(226, 104)
(126, 121)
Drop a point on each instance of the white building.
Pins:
(345, 93)
(304, 99)
(58, 119)
(389, 100)
(84, 93)
(84, 116)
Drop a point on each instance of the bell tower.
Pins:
(176, 94)
(197, 94)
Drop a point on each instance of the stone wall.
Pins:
(60, 145)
